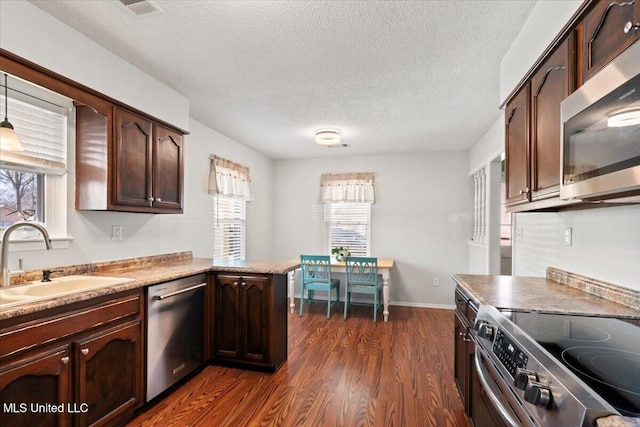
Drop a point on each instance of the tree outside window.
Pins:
(20, 197)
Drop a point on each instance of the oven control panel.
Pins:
(508, 353)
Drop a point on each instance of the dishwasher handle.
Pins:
(178, 292)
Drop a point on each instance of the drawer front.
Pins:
(50, 329)
(461, 303)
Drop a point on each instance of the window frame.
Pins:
(330, 222)
(240, 220)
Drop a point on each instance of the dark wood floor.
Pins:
(339, 373)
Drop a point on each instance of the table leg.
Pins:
(385, 295)
(292, 283)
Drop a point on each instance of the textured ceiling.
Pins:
(393, 76)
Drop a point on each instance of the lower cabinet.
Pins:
(109, 374)
(250, 318)
(35, 380)
(464, 353)
(82, 367)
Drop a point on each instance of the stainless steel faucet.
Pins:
(5, 280)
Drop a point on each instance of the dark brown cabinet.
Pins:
(127, 162)
(553, 82)
(464, 348)
(250, 319)
(608, 29)
(109, 374)
(533, 131)
(517, 148)
(86, 360)
(37, 379)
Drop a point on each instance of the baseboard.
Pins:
(392, 303)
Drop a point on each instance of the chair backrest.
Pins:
(316, 268)
(362, 270)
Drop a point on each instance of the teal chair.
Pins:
(316, 276)
(362, 278)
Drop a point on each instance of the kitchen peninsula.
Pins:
(80, 343)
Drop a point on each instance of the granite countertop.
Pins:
(144, 271)
(539, 294)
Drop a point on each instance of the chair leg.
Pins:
(329, 304)
(301, 300)
(375, 307)
(346, 304)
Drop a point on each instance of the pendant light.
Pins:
(8, 137)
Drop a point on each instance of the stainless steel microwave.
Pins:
(600, 147)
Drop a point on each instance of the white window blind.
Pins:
(42, 133)
(348, 225)
(230, 215)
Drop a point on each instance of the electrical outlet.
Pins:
(568, 236)
(436, 282)
(116, 232)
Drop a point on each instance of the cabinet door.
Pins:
(227, 316)
(109, 374)
(132, 159)
(255, 325)
(168, 173)
(603, 33)
(461, 367)
(517, 148)
(43, 378)
(550, 85)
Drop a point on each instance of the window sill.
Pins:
(37, 244)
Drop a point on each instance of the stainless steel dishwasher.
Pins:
(175, 331)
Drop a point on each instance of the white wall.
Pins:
(606, 244)
(31, 33)
(490, 146)
(545, 22)
(421, 218)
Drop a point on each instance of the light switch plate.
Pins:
(568, 236)
(116, 232)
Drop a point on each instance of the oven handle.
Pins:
(181, 291)
(492, 396)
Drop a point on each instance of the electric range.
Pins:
(542, 369)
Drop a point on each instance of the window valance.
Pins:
(356, 187)
(227, 178)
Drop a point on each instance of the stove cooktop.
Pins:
(603, 352)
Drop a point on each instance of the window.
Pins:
(349, 225)
(230, 217)
(33, 182)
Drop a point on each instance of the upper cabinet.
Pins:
(550, 85)
(127, 162)
(608, 29)
(598, 32)
(517, 148)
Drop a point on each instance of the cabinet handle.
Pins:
(243, 283)
(459, 300)
(65, 360)
(466, 339)
(525, 191)
(84, 351)
(151, 199)
(462, 334)
(158, 199)
(631, 26)
(235, 283)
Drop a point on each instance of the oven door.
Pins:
(493, 404)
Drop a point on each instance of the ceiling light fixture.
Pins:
(328, 137)
(628, 118)
(8, 137)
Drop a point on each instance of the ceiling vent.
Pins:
(142, 8)
(343, 145)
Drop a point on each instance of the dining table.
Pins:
(385, 265)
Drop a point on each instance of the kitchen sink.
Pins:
(59, 286)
